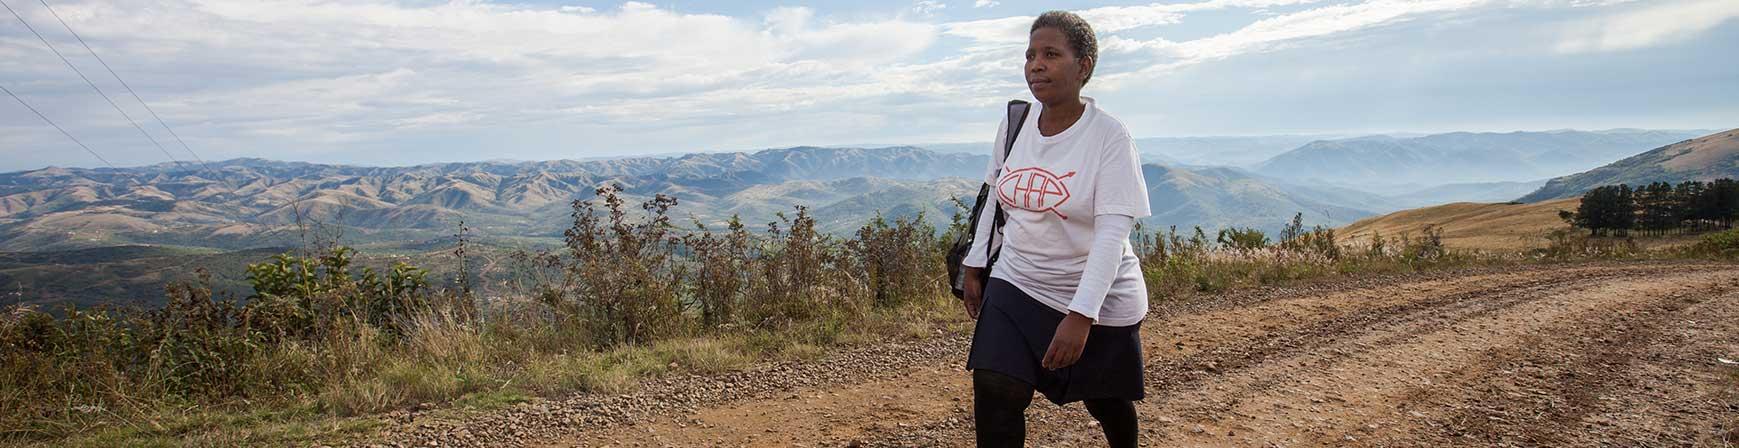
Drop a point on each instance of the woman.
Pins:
(1061, 312)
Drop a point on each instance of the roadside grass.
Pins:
(457, 371)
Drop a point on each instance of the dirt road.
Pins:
(1567, 355)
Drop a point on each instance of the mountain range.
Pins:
(1191, 151)
(247, 203)
(1395, 165)
(250, 202)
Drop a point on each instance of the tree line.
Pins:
(1658, 208)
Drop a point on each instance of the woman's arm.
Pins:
(978, 257)
(972, 296)
(1110, 233)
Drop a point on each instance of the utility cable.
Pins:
(57, 127)
(81, 41)
(93, 85)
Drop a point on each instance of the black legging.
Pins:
(999, 405)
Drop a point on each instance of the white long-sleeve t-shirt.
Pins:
(1070, 200)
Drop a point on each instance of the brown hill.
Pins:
(1705, 158)
(1466, 225)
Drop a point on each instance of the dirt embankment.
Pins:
(1568, 355)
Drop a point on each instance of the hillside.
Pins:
(1221, 151)
(1382, 163)
(1225, 197)
(1466, 192)
(1705, 158)
(120, 275)
(1466, 225)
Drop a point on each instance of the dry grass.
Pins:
(1501, 227)
(1466, 225)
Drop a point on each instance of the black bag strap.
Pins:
(1017, 112)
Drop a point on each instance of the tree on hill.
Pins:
(1718, 203)
(1658, 208)
(1606, 209)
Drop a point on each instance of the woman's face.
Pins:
(1052, 71)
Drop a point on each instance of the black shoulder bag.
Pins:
(1017, 111)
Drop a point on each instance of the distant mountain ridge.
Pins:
(1461, 157)
(1467, 192)
(1220, 197)
(246, 203)
(1195, 151)
(1704, 158)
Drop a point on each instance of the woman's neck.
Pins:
(1056, 118)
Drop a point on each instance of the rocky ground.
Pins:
(1606, 354)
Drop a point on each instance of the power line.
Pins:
(81, 41)
(93, 85)
(57, 127)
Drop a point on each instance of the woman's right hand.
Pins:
(974, 297)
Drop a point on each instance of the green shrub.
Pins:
(897, 260)
(620, 277)
(1242, 239)
(1721, 244)
(295, 295)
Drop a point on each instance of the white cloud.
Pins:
(1275, 32)
(1106, 20)
(985, 3)
(1111, 19)
(1646, 26)
(991, 31)
(1317, 22)
(928, 7)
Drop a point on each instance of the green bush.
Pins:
(295, 295)
(620, 278)
(1242, 239)
(1723, 244)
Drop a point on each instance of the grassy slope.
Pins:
(1491, 227)
(1467, 225)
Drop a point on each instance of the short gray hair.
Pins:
(1077, 31)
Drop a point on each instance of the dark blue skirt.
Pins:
(1014, 330)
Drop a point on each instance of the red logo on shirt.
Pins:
(1034, 189)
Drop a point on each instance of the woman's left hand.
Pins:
(1070, 339)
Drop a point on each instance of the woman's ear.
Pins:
(1087, 65)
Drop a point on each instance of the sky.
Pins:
(379, 82)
